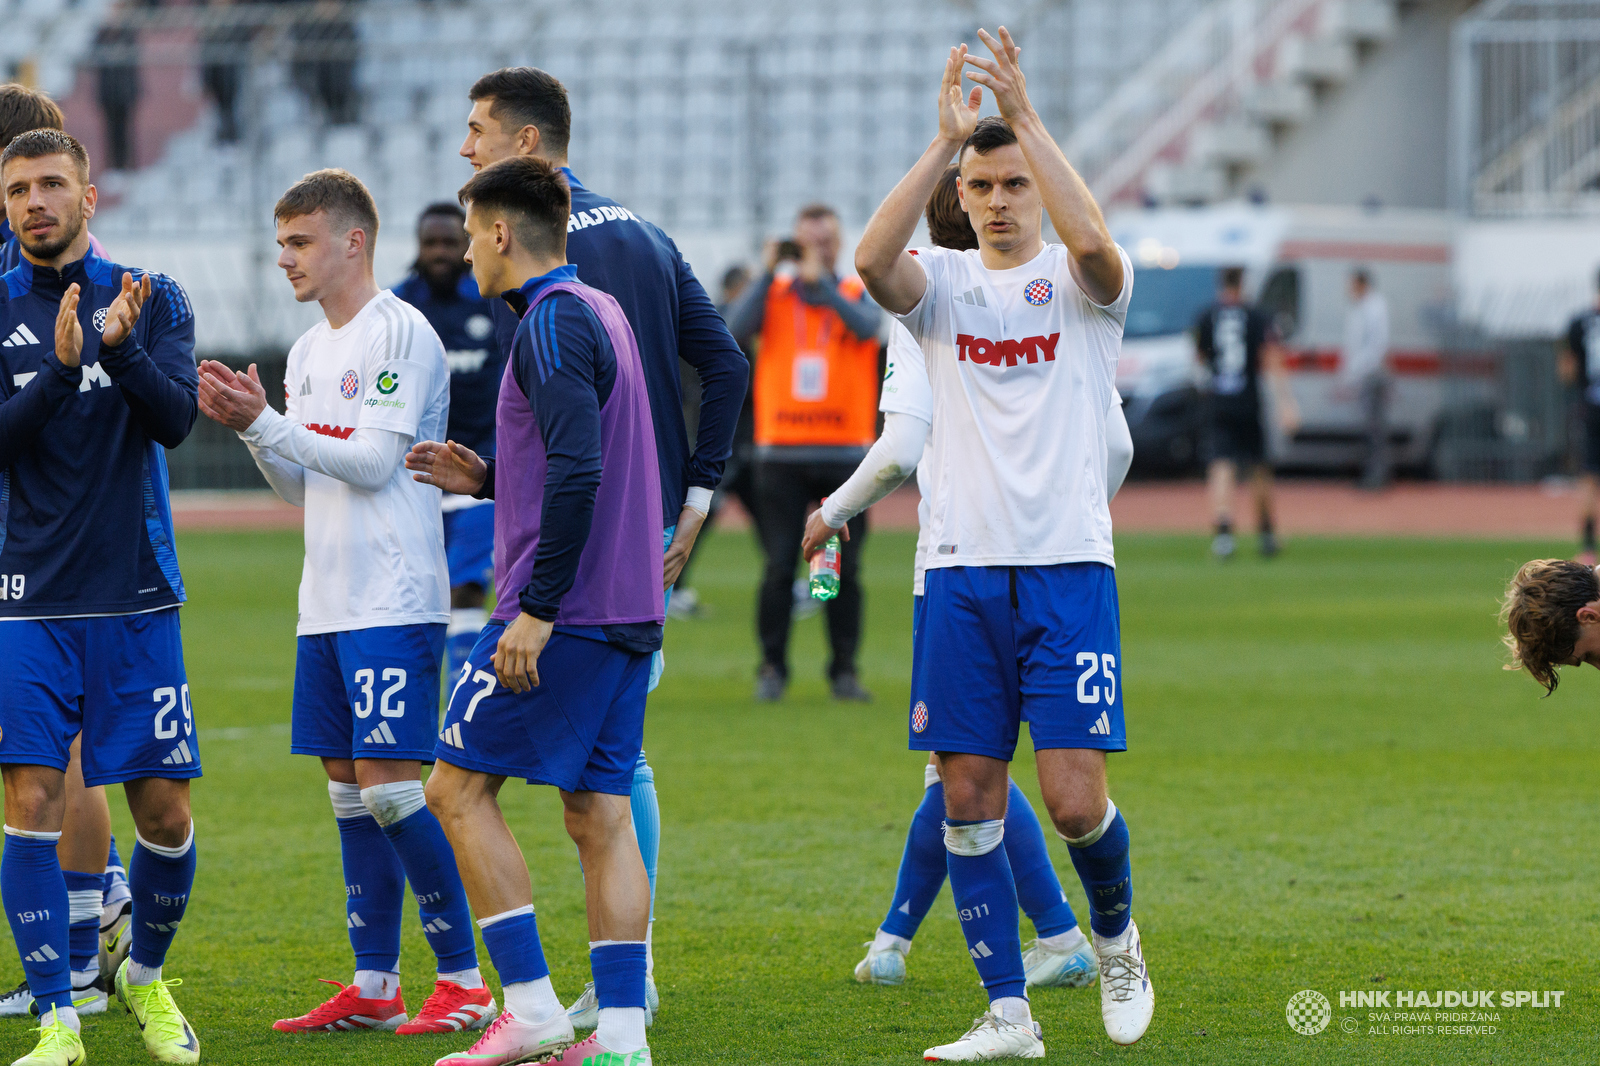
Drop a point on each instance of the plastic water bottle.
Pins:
(825, 570)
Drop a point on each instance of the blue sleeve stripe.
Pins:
(547, 350)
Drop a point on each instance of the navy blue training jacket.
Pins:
(463, 322)
(672, 317)
(85, 522)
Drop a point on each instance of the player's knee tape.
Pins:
(976, 838)
(346, 800)
(394, 801)
(30, 834)
(930, 775)
(1094, 834)
(168, 853)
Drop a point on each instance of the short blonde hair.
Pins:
(1540, 613)
(338, 192)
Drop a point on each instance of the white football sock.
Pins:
(649, 949)
(82, 979)
(377, 984)
(1072, 938)
(532, 1001)
(1011, 1009)
(67, 1015)
(139, 974)
(621, 1029)
(882, 941)
(472, 978)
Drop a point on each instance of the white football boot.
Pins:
(1073, 966)
(1127, 999)
(885, 965)
(585, 1011)
(992, 1037)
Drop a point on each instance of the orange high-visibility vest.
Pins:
(816, 382)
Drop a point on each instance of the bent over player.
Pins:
(362, 386)
(554, 691)
(1551, 612)
(1020, 610)
(97, 378)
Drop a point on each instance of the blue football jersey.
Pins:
(462, 321)
(85, 521)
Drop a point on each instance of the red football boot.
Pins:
(346, 1012)
(452, 1009)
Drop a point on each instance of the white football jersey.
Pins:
(906, 391)
(1022, 366)
(372, 558)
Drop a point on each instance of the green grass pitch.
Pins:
(1331, 786)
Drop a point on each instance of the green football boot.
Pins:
(167, 1034)
(58, 1046)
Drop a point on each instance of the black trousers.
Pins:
(785, 493)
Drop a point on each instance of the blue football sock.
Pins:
(512, 940)
(1101, 859)
(647, 822)
(986, 903)
(160, 879)
(374, 888)
(466, 623)
(84, 894)
(618, 970)
(1038, 887)
(116, 876)
(35, 897)
(923, 867)
(430, 866)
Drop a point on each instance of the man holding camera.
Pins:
(816, 401)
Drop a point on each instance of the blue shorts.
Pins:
(580, 730)
(997, 645)
(367, 693)
(119, 680)
(469, 545)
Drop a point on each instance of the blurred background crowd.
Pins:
(1365, 232)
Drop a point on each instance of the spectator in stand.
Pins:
(1366, 347)
(117, 89)
(738, 477)
(324, 67)
(223, 53)
(1580, 366)
(816, 414)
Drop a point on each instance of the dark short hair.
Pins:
(1361, 274)
(738, 274)
(1540, 613)
(1231, 277)
(36, 144)
(530, 194)
(441, 208)
(990, 133)
(23, 109)
(527, 96)
(949, 226)
(338, 192)
(815, 210)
